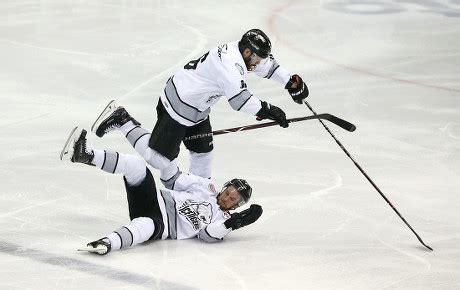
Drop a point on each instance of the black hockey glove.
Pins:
(244, 218)
(300, 93)
(273, 113)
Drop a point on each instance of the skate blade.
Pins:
(112, 106)
(67, 149)
(91, 250)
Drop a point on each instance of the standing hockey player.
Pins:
(192, 209)
(184, 105)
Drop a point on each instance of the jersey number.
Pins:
(194, 63)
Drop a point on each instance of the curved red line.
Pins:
(271, 25)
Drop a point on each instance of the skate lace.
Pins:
(111, 127)
(84, 147)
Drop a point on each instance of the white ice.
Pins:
(391, 67)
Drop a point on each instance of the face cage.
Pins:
(262, 57)
(254, 57)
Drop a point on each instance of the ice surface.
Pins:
(390, 67)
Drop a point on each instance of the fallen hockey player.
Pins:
(190, 207)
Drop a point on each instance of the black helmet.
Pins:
(243, 188)
(257, 41)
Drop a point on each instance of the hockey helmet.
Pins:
(257, 41)
(243, 187)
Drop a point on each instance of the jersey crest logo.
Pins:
(243, 85)
(240, 68)
(197, 214)
(211, 187)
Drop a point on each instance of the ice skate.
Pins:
(75, 147)
(112, 117)
(80, 153)
(99, 247)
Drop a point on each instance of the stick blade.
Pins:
(340, 122)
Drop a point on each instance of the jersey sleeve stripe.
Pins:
(244, 103)
(239, 99)
(271, 72)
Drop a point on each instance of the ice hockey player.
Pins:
(184, 105)
(192, 209)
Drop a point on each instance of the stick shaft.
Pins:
(367, 177)
(337, 121)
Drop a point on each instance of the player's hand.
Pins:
(244, 218)
(274, 113)
(297, 89)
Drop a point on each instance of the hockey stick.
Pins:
(367, 177)
(331, 118)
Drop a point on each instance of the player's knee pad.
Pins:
(135, 170)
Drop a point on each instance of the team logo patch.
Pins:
(243, 85)
(212, 188)
(240, 68)
(226, 214)
(198, 214)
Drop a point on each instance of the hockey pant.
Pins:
(138, 137)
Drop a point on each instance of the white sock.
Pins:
(200, 164)
(132, 167)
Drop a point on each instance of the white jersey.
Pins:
(191, 209)
(192, 90)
